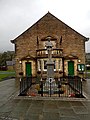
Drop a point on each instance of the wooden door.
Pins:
(71, 68)
(28, 69)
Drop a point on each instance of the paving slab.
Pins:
(80, 110)
(51, 116)
(66, 112)
(69, 118)
(83, 116)
(76, 103)
(63, 103)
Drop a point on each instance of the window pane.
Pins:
(39, 65)
(59, 64)
(45, 66)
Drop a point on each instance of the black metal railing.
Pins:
(25, 84)
(75, 82)
(64, 87)
(69, 86)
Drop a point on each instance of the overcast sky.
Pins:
(18, 15)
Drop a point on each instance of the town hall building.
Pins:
(68, 51)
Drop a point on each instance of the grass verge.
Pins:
(6, 75)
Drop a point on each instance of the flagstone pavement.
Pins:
(14, 107)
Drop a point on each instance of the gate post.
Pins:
(81, 87)
(59, 86)
(50, 87)
(41, 86)
(20, 86)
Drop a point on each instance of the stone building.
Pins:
(10, 65)
(68, 52)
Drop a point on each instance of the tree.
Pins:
(6, 56)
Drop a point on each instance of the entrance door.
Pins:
(71, 68)
(28, 69)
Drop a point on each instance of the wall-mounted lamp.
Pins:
(79, 60)
(20, 62)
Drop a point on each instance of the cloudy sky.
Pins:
(18, 15)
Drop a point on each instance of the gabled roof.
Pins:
(70, 57)
(28, 57)
(49, 14)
